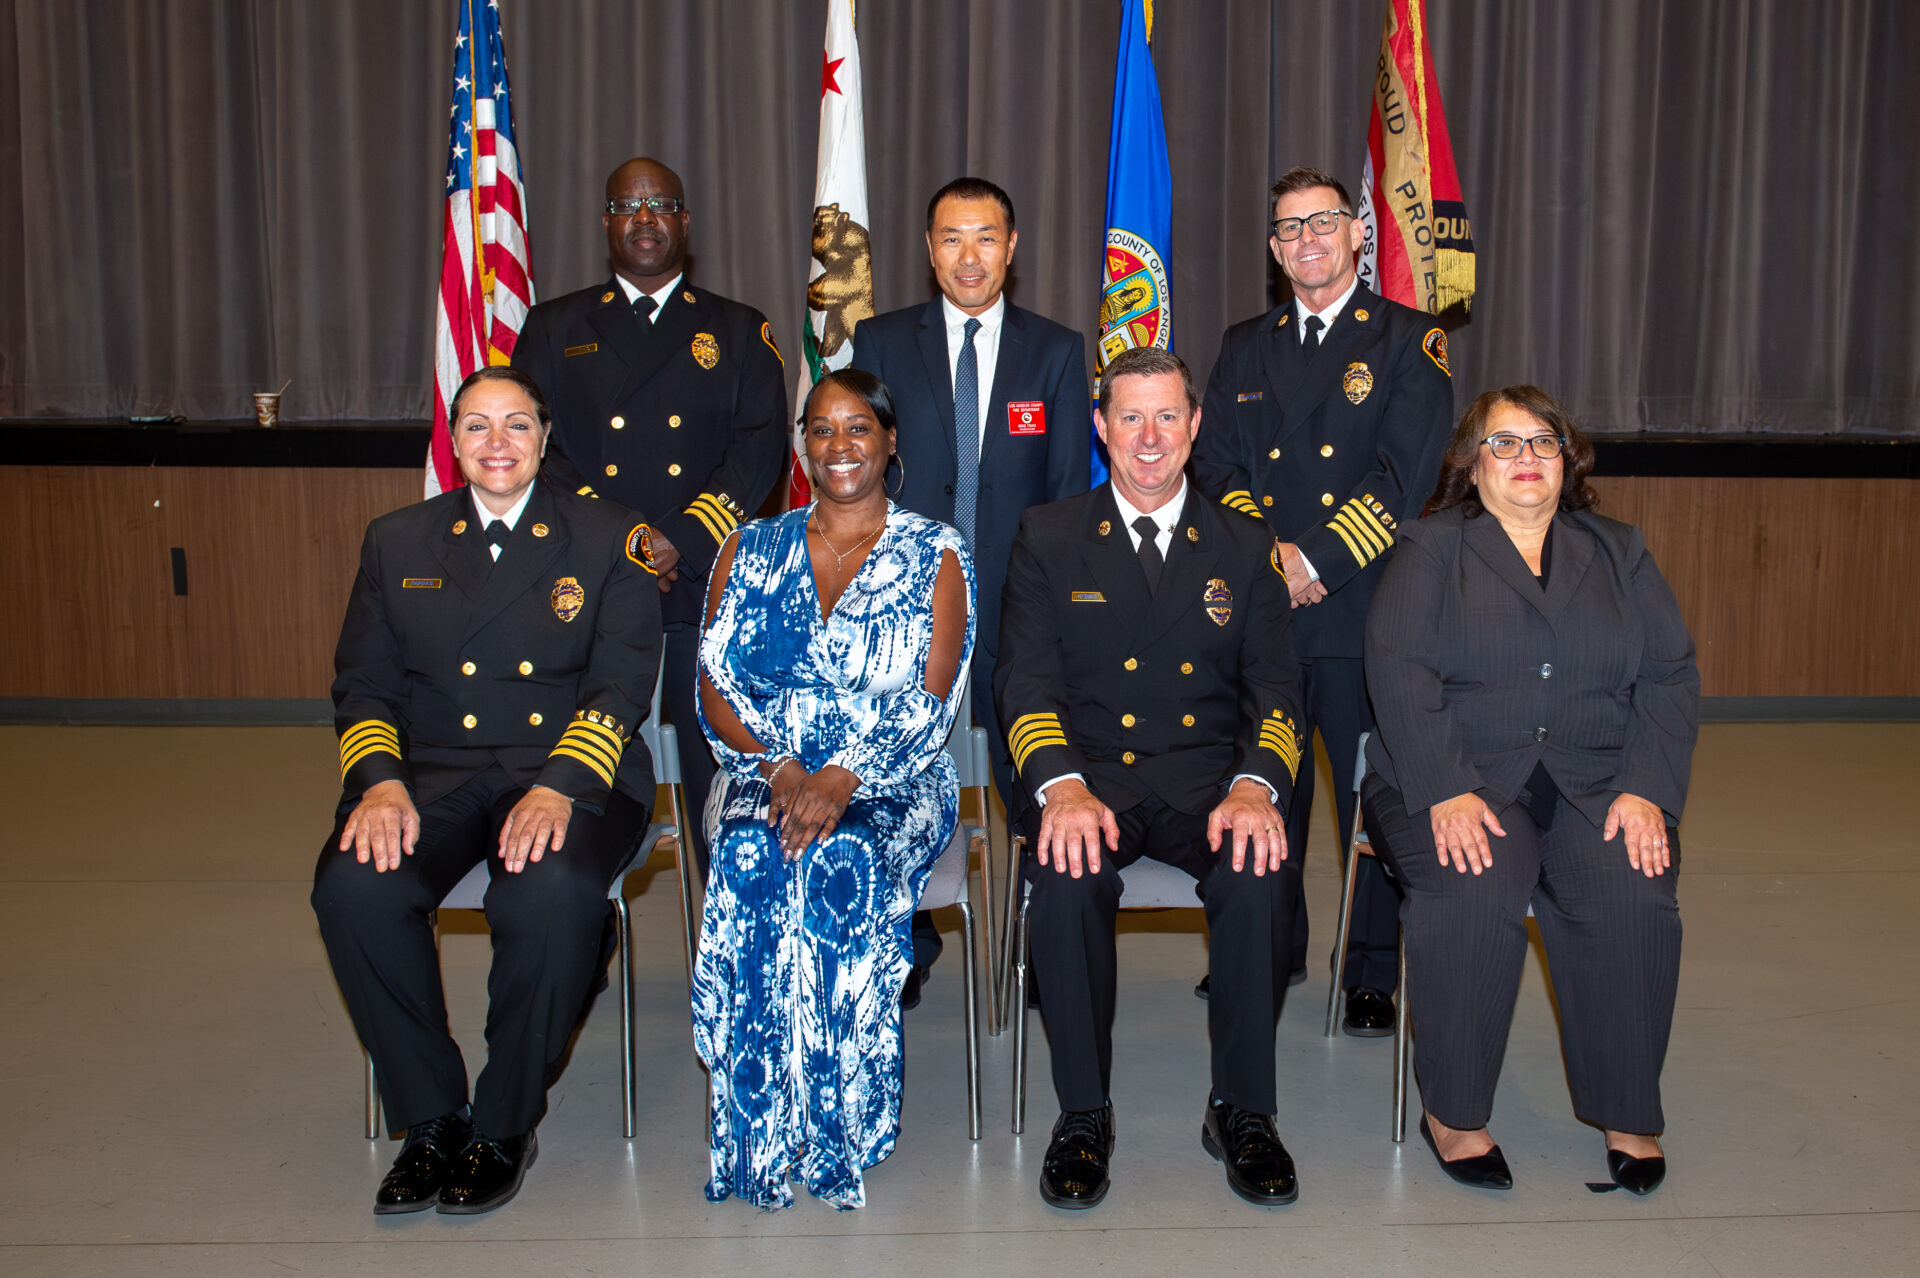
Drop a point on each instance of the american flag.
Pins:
(486, 268)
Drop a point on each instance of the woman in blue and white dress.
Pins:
(829, 666)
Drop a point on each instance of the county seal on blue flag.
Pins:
(1136, 306)
(1134, 310)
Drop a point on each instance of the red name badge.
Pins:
(1027, 417)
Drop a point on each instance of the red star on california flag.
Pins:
(827, 67)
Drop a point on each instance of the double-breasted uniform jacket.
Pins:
(683, 419)
(543, 662)
(1169, 693)
(1035, 447)
(1478, 674)
(1334, 450)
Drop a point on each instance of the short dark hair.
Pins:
(1302, 178)
(1456, 486)
(1145, 361)
(501, 373)
(971, 188)
(857, 381)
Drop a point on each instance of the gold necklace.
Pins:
(839, 557)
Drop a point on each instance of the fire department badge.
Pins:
(568, 598)
(1357, 382)
(1134, 310)
(1219, 601)
(706, 350)
(1435, 345)
(640, 547)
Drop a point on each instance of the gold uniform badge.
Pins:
(1219, 601)
(568, 598)
(459, 526)
(1360, 316)
(540, 530)
(1357, 382)
(606, 297)
(1106, 526)
(705, 350)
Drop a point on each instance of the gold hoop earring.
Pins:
(895, 492)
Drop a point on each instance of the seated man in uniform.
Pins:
(1147, 679)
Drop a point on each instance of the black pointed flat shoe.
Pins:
(1637, 1175)
(1481, 1171)
(413, 1183)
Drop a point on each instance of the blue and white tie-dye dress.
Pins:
(796, 989)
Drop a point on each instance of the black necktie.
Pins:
(1313, 326)
(1150, 561)
(497, 533)
(642, 310)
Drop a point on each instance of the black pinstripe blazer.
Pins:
(1477, 674)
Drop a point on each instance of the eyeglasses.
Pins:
(631, 206)
(1322, 223)
(1507, 447)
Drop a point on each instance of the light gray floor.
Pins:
(182, 1089)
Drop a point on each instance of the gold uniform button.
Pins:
(612, 469)
(1126, 721)
(1326, 499)
(1326, 450)
(526, 667)
(468, 668)
(1132, 664)
(535, 718)
(674, 469)
(1266, 501)
(1274, 455)
(1188, 720)
(674, 421)
(1127, 758)
(1186, 667)
(468, 722)
(618, 423)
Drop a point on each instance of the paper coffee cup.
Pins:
(266, 407)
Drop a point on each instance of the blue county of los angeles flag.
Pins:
(486, 267)
(840, 279)
(1135, 304)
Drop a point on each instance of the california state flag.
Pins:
(840, 278)
(1419, 244)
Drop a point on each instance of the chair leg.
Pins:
(623, 954)
(986, 913)
(973, 1022)
(683, 852)
(373, 1100)
(1336, 994)
(1402, 1048)
(1017, 978)
(1016, 846)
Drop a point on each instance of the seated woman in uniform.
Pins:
(1537, 702)
(498, 654)
(834, 638)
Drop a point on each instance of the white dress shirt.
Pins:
(986, 350)
(632, 291)
(511, 519)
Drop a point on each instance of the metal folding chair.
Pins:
(470, 894)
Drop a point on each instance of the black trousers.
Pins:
(546, 921)
(680, 694)
(1334, 697)
(1071, 929)
(1613, 949)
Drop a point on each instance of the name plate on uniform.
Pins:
(420, 583)
(1027, 417)
(588, 349)
(1088, 596)
(1249, 397)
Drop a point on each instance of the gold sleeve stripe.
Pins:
(1040, 742)
(1374, 542)
(581, 748)
(1241, 500)
(369, 736)
(588, 726)
(1371, 518)
(1361, 555)
(1032, 732)
(1030, 723)
(368, 728)
(598, 768)
(608, 748)
(1277, 734)
(352, 757)
(717, 508)
(585, 490)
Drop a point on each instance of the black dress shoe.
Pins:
(487, 1174)
(1481, 1171)
(1369, 1014)
(910, 992)
(414, 1182)
(1636, 1175)
(1205, 988)
(1074, 1172)
(1259, 1169)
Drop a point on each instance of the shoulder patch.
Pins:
(1435, 345)
(640, 547)
(766, 335)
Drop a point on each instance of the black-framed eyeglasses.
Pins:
(1507, 447)
(1325, 222)
(632, 205)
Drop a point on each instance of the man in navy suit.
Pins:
(994, 418)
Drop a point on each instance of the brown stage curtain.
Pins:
(1691, 215)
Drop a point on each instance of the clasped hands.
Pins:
(384, 826)
(1460, 827)
(806, 806)
(1302, 589)
(1074, 824)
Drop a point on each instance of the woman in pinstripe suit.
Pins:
(1537, 704)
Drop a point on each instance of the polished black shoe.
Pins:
(1481, 1171)
(1074, 1173)
(910, 992)
(1369, 1014)
(1636, 1175)
(487, 1174)
(414, 1182)
(1205, 988)
(1259, 1169)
